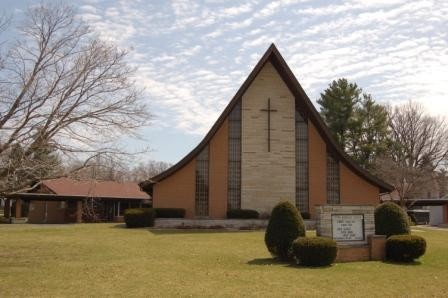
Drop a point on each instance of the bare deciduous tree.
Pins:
(147, 170)
(419, 147)
(111, 169)
(61, 86)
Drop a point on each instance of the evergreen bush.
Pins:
(285, 225)
(242, 213)
(305, 215)
(314, 251)
(405, 248)
(139, 217)
(4, 220)
(170, 212)
(391, 219)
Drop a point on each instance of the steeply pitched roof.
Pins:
(303, 103)
(95, 189)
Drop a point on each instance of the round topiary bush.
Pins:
(405, 248)
(139, 217)
(391, 219)
(314, 251)
(285, 225)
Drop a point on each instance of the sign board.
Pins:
(348, 227)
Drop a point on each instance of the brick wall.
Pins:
(55, 214)
(177, 191)
(218, 168)
(355, 189)
(317, 165)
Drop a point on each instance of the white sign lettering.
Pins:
(348, 227)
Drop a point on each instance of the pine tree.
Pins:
(358, 123)
(337, 105)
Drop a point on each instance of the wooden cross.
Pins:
(269, 110)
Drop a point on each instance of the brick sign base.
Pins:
(361, 244)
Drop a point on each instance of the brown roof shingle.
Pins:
(95, 189)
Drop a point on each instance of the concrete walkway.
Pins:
(422, 228)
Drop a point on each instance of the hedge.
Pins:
(4, 220)
(285, 225)
(314, 251)
(139, 217)
(305, 215)
(170, 212)
(391, 219)
(242, 213)
(405, 248)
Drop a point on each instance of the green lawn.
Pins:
(108, 260)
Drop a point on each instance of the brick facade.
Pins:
(177, 191)
(354, 189)
(374, 250)
(317, 169)
(266, 177)
(218, 173)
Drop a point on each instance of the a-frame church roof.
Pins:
(303, 104)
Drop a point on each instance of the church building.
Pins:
(269, 145)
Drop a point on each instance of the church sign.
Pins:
(346, 224)
(348, 227)
(352, 226)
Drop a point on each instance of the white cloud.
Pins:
(237, 10)
(193, 57)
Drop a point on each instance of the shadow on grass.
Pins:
(160, 232)
(271, 262)
(182, 231)
(118, 226)
(267, 261)
(413, 263)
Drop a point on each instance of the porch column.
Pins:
(7, 209)
(79, 211)
(118, 212)
(18, 208)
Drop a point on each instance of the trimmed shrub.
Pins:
(242, 213)
(314, 251)
(139, 217)
(264, 215)
(405, 248)
(170, 212)
(305, 215)
(4, 220)
(391, 219)
(285, 225)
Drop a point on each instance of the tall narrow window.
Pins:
(301, 164)
(234, 171)
(201, 200)
(332, 180)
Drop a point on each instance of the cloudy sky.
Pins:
(192, 56)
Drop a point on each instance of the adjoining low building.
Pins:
(66, 200)
(433, 211)
(428, 204)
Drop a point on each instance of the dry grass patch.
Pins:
(108, 260)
